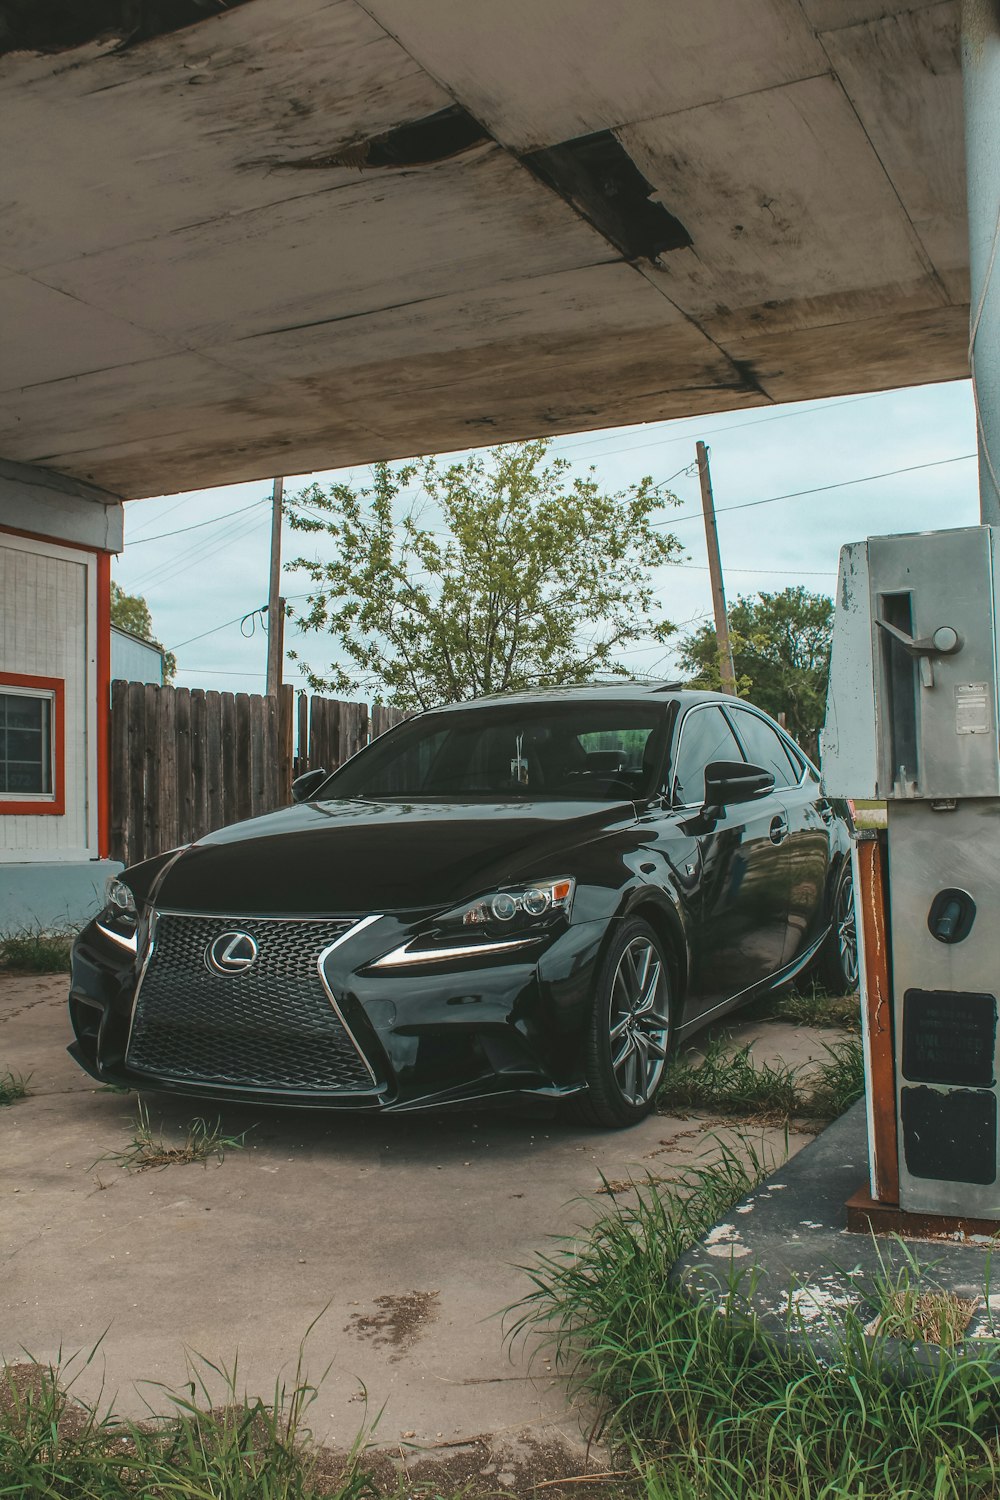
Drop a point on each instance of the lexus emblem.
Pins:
(231, 953)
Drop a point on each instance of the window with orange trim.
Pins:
(32, 749)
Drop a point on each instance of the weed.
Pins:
(13, 1086)
(714, 1407)
(35, 951)
(730, 1083)
(909, 1309)
(54, 1446)
(837, 1083)
(145, 1150)
(812, 1007)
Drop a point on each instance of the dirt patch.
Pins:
(397, 1320)
(480, 1466)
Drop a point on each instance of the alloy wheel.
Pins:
(639, 1021)
(847, 933)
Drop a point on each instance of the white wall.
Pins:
(48, 628)
(134, 660)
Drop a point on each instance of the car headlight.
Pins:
(119, 897)
(494, 926)
(119, 920)
(517, 906)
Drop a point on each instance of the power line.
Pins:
(746, 505)
(823, 488)
(141, 542)
(197, 553)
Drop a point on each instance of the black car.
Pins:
(527, 895)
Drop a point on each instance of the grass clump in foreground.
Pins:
(707, 1405)
(35, 951)
(55, 1447)
(145, 1150)
(13, 1086)
(733, 1083)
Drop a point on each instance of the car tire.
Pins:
(629, 1031)
(836, 967)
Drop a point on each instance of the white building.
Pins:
(134, 659)
(56, 543)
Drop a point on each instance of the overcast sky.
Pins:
(199, 582)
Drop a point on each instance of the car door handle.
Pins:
(778, 830)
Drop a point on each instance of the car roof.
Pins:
(626, 689)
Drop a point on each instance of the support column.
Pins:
(981, 83)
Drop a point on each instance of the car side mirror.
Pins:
(305, 786)
(730, 781)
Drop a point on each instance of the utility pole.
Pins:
(275, 604)
(726, 668)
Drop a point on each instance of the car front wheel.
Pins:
(629, 1030)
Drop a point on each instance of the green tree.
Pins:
(131, 612)
(781, 652)
(499, 572)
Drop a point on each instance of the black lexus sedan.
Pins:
(527, 895)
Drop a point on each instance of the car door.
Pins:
(744, 873)
(810, 817)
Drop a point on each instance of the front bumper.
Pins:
(314, 1023)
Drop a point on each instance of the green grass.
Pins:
(733, 1083)
(202, 1141)
(34, 951)
(812, 1007)
(833, 1086)
(13, 1086)
(708, 1405)
(908, 1307)
(54, 1447)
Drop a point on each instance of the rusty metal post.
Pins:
(871, 897)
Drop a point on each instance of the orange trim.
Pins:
(57, 806)
(57, 541)
(103, 704)
(872, 908)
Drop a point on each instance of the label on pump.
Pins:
(972, 708)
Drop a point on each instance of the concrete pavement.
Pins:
(404, 1237)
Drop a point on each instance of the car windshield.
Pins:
(602, 751)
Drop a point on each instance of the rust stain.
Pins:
(872, 902)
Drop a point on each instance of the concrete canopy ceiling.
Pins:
(308, 233)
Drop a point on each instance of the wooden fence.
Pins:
(186, 761)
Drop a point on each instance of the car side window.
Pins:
(705, 736)
(765, 748)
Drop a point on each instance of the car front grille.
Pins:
(272, 1027)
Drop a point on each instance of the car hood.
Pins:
(354, 856)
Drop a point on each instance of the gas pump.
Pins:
(912, 718)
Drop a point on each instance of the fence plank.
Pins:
(230, 779)
(199, 770)
(256, 732)
(214, 817)
(183, 798)
(137, 772)
(150, 772)
(286, 752)
(166, 834)
(118, 771)
(244, 759)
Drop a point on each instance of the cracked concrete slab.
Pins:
(401, 1240)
